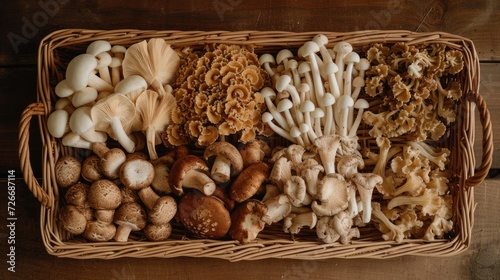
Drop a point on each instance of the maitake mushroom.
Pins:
(217, 95)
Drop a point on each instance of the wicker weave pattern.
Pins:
(59, 47)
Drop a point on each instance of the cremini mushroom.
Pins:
(249, 181)
(72, 219)
(228, 161)
(246, 220)
(190, 171)
(138, 174)
(67, 171)
(111, 160)
(91, 168)
(115, 115)
(99, 231)
(204, 215)
(129, 217)
(104, 195)
(77, 195)
(160, 232)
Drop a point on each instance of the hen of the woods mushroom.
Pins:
(217, 95)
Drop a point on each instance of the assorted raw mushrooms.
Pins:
(221, 142)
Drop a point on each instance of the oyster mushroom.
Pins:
(154, 60)
(154, 111)
(115, 115)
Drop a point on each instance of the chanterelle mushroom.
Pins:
(115, 115)
(227, 156)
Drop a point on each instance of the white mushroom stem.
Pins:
(74, 140)
(200, 181)
(221, 169)
(121, 136)
(283, 84)
(305, 69)
(115, 66)
(267, 93)
(267, 118)
(296, 134)
(345, 104)
(305, 129)
(308, 51)
(361, 104)
(350, 58)
(103, 62)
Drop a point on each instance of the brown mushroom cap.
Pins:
(91, 168)
(99, 231)
(158, 232)
(77, 195)
(205, 216)
(106, 216)
(129, 217)
(111, 159)
(137, 173)
(249, 181)
(181, 167)
(72, 219)
(246, 220)
(163, 210)
(254, 151)
(68, 170)
(225, 152)
(104, 195)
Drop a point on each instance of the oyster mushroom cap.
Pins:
(115, 115)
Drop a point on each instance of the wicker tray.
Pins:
(59, 47)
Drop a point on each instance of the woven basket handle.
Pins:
(486, 160)
(34, 109)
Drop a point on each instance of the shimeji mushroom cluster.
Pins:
(314, 103)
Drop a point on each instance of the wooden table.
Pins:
(24, 23)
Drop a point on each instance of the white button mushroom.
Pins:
(80, 73)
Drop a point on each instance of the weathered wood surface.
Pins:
(24, 23)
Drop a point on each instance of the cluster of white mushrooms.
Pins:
(313, 104)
